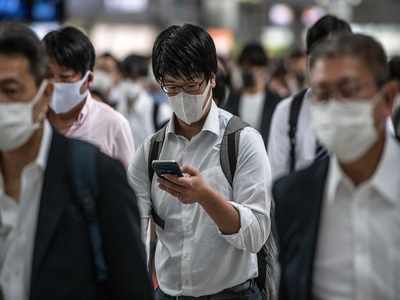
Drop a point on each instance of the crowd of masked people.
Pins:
(189, 176)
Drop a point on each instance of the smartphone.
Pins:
(166, 167)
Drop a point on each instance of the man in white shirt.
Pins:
(288, 154)
(212, 230)
(73, 111)
(338, 219)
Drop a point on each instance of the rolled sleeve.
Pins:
(253, 228)
(251, 195)
(139, 181)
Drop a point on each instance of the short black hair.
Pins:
(394, 68)
(135, 66)
(253, 54)
(323, 28)
(186, 52)
(71, 48)
(17, 39)
(359, 46)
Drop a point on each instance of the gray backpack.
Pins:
(268, 270)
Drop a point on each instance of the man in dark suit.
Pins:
(338, 219)
(46, 243)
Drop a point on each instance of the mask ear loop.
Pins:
(37, 98)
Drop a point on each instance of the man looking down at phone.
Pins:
(211, 230)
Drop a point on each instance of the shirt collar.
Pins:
(384, 179)
(44, 149)
(85, 110)
(211, 123)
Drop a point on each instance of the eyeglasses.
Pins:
(192, 88)
(341, 91)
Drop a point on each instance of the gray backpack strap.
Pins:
(156, 143)
(230, 147)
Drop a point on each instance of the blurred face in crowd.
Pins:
(23, 101)
(349, 109)
(254, 78)
(109, 66)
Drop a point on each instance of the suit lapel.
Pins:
(317, 189)
(52, 202)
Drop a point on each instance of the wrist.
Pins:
(206, 195)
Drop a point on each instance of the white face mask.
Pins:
(189, 108)
(16, 121)
(102, 82)
(68, 95)
(345, 128)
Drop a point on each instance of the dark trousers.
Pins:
(252, 293)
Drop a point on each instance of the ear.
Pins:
(213, 81)
(90, 79)
(390, 90)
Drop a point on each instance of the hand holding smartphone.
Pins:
(166, 167)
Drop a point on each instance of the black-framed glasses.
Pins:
(192, 88)
(342, 91)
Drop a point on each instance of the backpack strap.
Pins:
(294, 113)
(156, 143)
(85, 187)
(230, 147)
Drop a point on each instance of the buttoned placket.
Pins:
(362, 263)
(187, 240)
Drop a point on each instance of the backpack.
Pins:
(294, 113)
(84, 184)
(268, 270)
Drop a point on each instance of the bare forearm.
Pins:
(221, 211)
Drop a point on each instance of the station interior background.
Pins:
(130, 26)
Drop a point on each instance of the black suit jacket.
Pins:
(270, 103)
(63, 265)
(298, 198)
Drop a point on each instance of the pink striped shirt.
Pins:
(106, 128)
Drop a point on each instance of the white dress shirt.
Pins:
(193, 257)
(251, 108)
(18, 222)
(358, 252)
(279, 145)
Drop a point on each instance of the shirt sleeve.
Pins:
(139, 181)
(278, 148)
(251, 196)
(124, 143)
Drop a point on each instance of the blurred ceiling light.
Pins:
(127, 6)
(281, 14)
(277, 38)
(312, 14)
(223, 39)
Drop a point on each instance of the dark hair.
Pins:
(19, 39)
(253, 54)
(135, 66)
(222, 83)
(186, 52)
(70, 48)
(323, 28)
(112, 57)
(394, 68)
(296, 53)
(359, 46)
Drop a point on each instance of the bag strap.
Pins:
(84, 182)
(230, 147)
(156, 143)
(294, 113)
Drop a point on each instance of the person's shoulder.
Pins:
(283, 107)
(294, 185)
